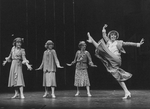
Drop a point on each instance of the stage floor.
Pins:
(101, 99)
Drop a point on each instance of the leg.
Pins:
(127, 93)
(16, 93)
(46, 92)
(21, 92)
(77, 91)
(88, 91)
(91, 40)
(53, 92)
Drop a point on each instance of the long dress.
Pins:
(17, 56)
(81, 73)
(49, 63)
(112, 61)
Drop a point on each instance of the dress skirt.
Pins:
(81, 78)
(49, 79)
(16, 75)
(112, 62)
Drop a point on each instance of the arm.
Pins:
(25, 61)
(105, 37)
(75, 59)
(90, 60)
(8, 59)
(133, 44)
(56, 59)
(41, 66)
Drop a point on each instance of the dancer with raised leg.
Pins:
(109, 50)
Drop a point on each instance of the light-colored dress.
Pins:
(49, 63)
(81, 73)
(16, 57)
(110, 55)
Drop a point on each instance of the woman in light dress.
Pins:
(49, 64)
(109, 50)
(17, 58)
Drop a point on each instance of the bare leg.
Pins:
(16, 93)
(53, 92)
(77, 92)
(127, 93)
(88, 91)
(21, 92)
(46, 92)
(91, 40)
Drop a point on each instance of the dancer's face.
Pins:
(18, 44)
(83, 47)
(50, 46)
(113, 37)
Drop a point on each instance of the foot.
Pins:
(53, 96)
(89, 38)
(22, 97)
(15, 96)
(45, 95)
(127, 95)
(89, 95)
(77, 94)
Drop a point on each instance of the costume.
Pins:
(110, 55)
(17, 56)
(49, 63)
(81, 73)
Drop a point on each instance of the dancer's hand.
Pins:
(141, 42)
(4, 62)
(105, 26)
(60, 66)
(104, 30)
(29, 67)
(89, 38)
(38, 69)
(93, 65)
(69, 64)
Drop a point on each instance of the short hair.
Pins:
(49, 42)
(81, 43)
(18, 39)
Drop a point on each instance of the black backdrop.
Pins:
(67, 22)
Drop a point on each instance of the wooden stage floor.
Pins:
(101, 99)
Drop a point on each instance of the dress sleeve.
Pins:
(105, 37)
(89, 58)
(24, 60)
(56, 59)
(9, 58)
(41, 66)
(75, 59)
(129, 44)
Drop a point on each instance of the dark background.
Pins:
(66, 22)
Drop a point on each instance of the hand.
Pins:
(4, 62)
(89, 38)
(69, 64)
(93, 65)
(105, 26)
(142, 41)
(29, 67)
(38, 69)
(60, 67)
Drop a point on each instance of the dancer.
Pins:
(109, 50)
(17, 58)
(81, 75)
(49, 63)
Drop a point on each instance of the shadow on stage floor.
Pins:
(101, 99)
